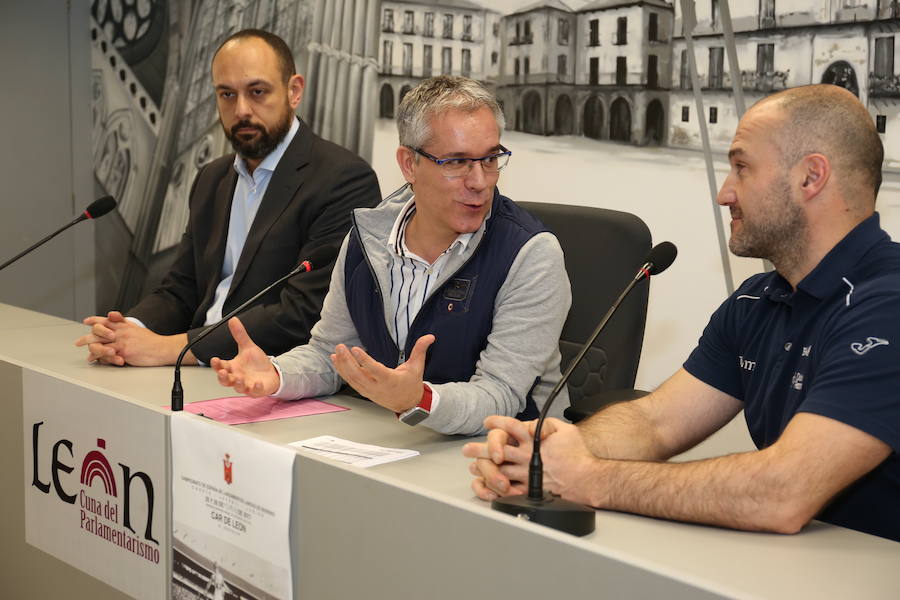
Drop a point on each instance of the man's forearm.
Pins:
(742, 491)
(622, 431)
(681, 413)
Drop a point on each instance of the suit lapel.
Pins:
(286, 180)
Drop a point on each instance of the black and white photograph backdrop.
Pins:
(604, 107)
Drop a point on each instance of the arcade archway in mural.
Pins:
(564, 116)
(620, 121)
(386, 102)
(840, 73)
(532, 113)
(593, 118)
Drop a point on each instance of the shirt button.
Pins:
(787, 346)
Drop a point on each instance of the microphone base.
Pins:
(550, 511)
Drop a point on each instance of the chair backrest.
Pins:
(603, 251)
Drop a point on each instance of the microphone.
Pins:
(551, 510)
(97, 208)
(317, 258)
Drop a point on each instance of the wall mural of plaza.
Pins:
(577, 71)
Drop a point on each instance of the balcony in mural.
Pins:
(768, 81)
(884, 86)
(526, 38)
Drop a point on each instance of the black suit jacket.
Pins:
(308, 203)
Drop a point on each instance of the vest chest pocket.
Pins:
(456, 295)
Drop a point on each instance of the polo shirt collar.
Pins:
(827, 276)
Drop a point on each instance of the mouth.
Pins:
(246, 129)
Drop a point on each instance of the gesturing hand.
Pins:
(250, 372)
(395, 389)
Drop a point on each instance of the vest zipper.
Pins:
(448, 278)
(401, 354)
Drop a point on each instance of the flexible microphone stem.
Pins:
(40, 243)
(536, 467)
(318, 258)
(98, 208)
(551, 510)
(177, 390)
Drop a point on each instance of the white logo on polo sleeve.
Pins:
(871, 342)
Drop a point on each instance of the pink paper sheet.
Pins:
(236, 410)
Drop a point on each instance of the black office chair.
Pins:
(603, 251)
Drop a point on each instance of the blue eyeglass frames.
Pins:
(458, 167)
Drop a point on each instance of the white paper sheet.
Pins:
(353, 453)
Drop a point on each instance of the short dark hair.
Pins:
(278, 45)
(829, 120)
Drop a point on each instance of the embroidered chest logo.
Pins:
(797, 381)
(747, 365)
(860, 348)
(457, 289)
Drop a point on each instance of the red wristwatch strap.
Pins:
(425, 402)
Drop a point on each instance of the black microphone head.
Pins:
(661, 257)
(320, 257)
(100, 207)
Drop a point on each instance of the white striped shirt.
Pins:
(412, 277)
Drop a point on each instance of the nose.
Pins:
(242, 107)
(476, 178)
(726, 195)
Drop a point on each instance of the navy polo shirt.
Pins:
(832, 347)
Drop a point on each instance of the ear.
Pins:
(296, 85)
(815, 171)
(406, 158)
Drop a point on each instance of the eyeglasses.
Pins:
(452, 168)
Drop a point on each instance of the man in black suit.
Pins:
(253, 217)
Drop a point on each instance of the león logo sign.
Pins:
(109, 517)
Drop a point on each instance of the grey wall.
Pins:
(45, 155)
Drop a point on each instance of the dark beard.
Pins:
(779, 238)
(262, 145)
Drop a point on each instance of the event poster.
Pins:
(95, 483)
(231, 500)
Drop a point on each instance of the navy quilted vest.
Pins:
(460, 313)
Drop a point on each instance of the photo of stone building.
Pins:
(601, 71)
(423, 38)
(607, 70)
(782, 44)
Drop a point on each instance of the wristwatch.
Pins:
(420, 411)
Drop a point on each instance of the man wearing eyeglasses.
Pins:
(447, 300)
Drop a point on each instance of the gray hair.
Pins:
(436, 95)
